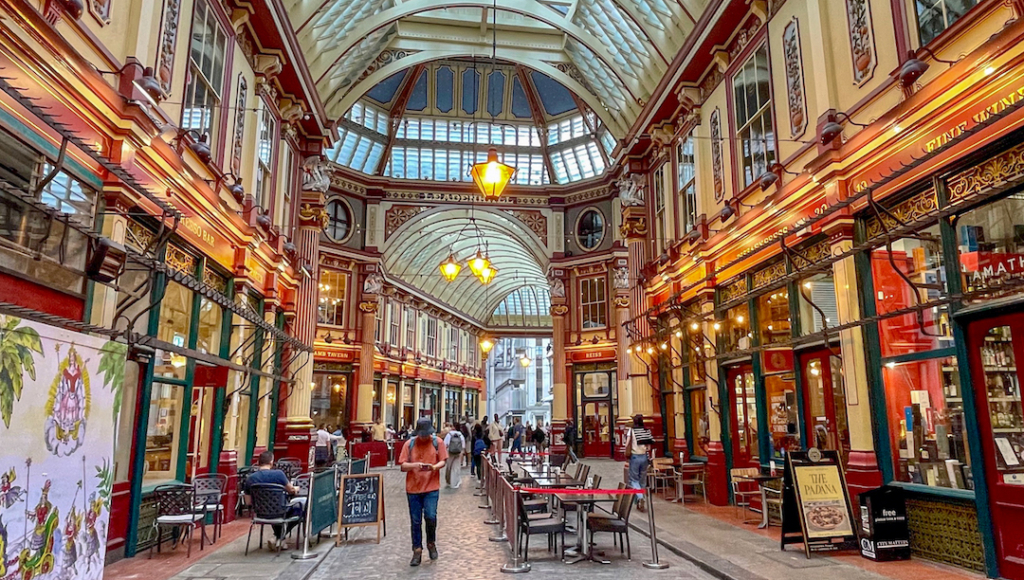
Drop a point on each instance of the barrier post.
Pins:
(492, 500)
(654, 564)
(481, 484)
(515, 566)
(499, 491)
(486, 496)
(306, 554)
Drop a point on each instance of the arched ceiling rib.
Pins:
(413, 253)
(617, 48)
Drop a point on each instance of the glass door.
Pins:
(597, 429)
(825, 396)
(995, 345)
(744, 416)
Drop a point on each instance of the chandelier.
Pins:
(492, 175)
(480, 264)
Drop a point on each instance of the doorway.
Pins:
(597, 429)
(825, 397)
(595, 411)
(744, 416)
(994, 346)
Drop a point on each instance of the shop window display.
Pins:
(734, 332)
(175, 322)
(327, 402)
(827, 424)
(1004, 403)
(698, 421)
(773, 317)
(783, 416)
(210, 323)
(161, 431)
(990, 240)
(920, 261)
(745, 416)
(924, 403)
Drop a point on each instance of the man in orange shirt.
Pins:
(422, 458)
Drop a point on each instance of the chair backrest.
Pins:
(175, 499)
(566, 461)
(302, 483)
(743, 471)
(584, 472)
(557, 460)
(619, 504)
(627, 507)
(662, 462)
(579, 468)
(209, 487)
(269, 500)
(595, 482)
(291, 466)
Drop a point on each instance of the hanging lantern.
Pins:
(524, 360)
(486, 345)
(492, 176)
(487, 274)
(478, 263)
(450, 268)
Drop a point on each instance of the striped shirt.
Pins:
(639, 439)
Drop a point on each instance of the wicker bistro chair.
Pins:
(291, 466)
(209, 489)
(615, 523)
(176, 507)
(270, 508)
(244, 502)
(691, 476)
(741, 490)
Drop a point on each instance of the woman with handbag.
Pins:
(638, 446)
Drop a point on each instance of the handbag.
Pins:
(629, 444)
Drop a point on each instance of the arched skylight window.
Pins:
(526, 306)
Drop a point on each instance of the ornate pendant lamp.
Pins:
(492, 176)
(450, 268)
(478, 263)
(486, 345)
(487, 274)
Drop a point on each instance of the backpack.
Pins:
(433, 439)
(457, 444)
(479, 447)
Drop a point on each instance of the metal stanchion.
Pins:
(654, 564)
(514, 566)
(486, 496)
(494, 503)
(500, 498)
(306, 554)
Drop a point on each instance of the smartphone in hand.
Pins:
(425, 467)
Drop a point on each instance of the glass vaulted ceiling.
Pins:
(434, 122)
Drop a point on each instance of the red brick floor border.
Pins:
(168, 563)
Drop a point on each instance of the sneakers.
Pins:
(641, 505)
(417, 557)
(432, 549)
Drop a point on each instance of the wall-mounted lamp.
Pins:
(148, 83)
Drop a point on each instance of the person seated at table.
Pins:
(266, 473)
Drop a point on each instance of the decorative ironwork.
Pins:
(907, 211)
(532, 219)
(995, 172)
(168, 40)
(770, 274)
(717, 161)
(813, 254)
(397, 216)
(734, 290)
(215, 280)
(383, 59)
(180, 261)
(945, 532)
(137, 236)
(794, 78)
(862, 39)
(239, 136)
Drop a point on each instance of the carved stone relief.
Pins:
(794, 78)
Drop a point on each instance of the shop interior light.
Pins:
(664, 346)
(694, 326)
(717, 326)
(524, 361)
(650, 350)
(739, 319)
(337, 387)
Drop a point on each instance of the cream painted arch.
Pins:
(414, 251)
(326, 59)
(612, 119)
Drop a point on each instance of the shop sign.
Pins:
(993, 108)
(777, 360)
(589, 355)
(803, 216)
(815, 503)
(333, 354)
(982, 268)
(204, 237)
(207, 376)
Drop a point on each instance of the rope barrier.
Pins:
(577, 491)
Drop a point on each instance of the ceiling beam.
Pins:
(396, 113)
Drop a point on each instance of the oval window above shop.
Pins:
(339, 220)
(590, 229)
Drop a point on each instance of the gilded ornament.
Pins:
(313, 215)
(559, 310)
(634, 228)
(995, 172)
(911, 210)
(621, 302)
(368, 306)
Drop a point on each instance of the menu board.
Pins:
(815, 503)
(362, 502)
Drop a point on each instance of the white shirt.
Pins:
(494, 431)
(323, 438)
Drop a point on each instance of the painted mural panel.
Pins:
(59, 398)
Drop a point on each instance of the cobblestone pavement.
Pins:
(466, 553)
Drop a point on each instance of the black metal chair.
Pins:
(615, 523)
(291, 466)
(209, 498)
(551, 524)
(270, 508)
(302, 484)
(176, 507)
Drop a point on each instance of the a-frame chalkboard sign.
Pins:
(361, 503)
(816, 503)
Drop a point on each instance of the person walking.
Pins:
(324, 440)
(529, 437)
(479, 448)
(421, 460)
(638, 446)
(538, 439)
(570, 439)
(517, 436)
(455, 442)
(467, 435)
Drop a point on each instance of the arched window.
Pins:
(339, 220)
(590, 229)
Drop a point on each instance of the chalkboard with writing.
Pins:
(362, 502)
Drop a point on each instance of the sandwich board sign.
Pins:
(816, 504)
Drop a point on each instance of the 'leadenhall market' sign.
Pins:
(987, 269)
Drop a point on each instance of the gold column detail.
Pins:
(560, 402)
(364, 392)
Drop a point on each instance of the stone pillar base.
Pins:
(680, 450)
(717, 478)
(862, 473)
(296, 438)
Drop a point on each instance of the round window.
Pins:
(339, 220)
(590, 229)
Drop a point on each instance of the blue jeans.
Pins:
(423, 506)
(637, 471)
(517, 445)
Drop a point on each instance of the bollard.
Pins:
(654, 564)
(515, 566)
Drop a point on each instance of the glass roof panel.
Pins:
(495, 92)
(554, 97)
(418, 98)
(470, 90)
(520, 105)
(444, 88)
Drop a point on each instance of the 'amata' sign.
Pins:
(60, 394)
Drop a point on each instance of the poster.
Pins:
(60, 394)
(823, 501)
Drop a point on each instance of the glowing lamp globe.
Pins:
(486, 345)
(478, 263)
(492, 176)
(523, 360)
(487, 274)
(450, 268)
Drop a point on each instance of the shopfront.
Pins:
(452, 404)
(430, 403)
(595, 408)
(330, 399)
